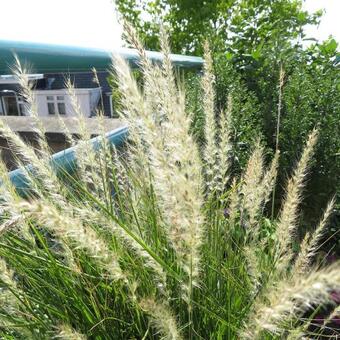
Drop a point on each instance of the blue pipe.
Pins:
(65, 160)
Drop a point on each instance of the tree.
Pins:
(237, 27)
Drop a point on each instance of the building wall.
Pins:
(87, 99)
(81, 80)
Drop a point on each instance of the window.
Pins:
(13, 105)
(2, 111)
(51, 108)
(23, 109)
(56, 104)
(62, 108)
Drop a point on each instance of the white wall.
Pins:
(84, 98)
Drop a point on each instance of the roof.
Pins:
(47, 58)
(12, 79)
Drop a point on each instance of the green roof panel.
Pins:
(47, 58)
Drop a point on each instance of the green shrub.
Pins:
(246, 120)
(311, 98)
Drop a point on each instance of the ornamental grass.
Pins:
(160, 240)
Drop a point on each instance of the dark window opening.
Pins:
(51, 108)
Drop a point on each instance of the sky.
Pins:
(90, 23)
(93, 23)
(330, 24)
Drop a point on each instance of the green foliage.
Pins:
(245, 110)
(251, 41)
(311, 98)
(243, 28)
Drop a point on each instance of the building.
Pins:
(52, 97)
(51, 65)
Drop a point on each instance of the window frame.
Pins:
(5, 105)
(22, 106)
(57, 101)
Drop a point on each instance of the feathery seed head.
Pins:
(309, 245)
(290, 300)
(162, 318)
(210, 128)
(160, 131)
(251, 188)
(67, 227)
(289, 212)
(66, 332)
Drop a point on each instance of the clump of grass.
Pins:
(160, 241)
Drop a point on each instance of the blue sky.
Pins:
(93, 23)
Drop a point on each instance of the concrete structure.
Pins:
(26, 128)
